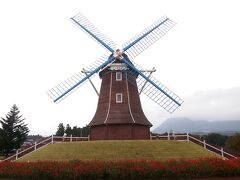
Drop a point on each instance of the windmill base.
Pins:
(119, 132)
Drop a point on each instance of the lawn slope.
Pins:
(115, 150)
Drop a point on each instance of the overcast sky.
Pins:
(198, 59)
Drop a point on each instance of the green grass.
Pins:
(115, 150)
(2, 157)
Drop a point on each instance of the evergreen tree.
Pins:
(75, 131)
(13, 132)
(60, 130)
(68, 130)
(85, 131)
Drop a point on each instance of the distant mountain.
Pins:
(183, 125)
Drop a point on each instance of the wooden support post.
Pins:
(71, 138)
(52, 139)
(17, 155)
(151, 71)
(222, 152)
(95, 89)
(204, 144)
(35, 146)
(168, 136)
(187, 137)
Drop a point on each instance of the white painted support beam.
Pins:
(86, 72)
(17, 155)
(151, 71)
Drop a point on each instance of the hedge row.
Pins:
(124, 169)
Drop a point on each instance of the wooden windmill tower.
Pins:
(119, 114)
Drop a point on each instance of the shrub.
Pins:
(122, 169)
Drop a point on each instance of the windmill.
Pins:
(119, 114)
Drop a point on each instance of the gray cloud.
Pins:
(211, 105)
(219, 104)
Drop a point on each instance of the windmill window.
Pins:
(119, 98)
(118, 76)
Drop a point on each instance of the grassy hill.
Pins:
(115, 150)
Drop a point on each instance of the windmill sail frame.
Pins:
(147, 84)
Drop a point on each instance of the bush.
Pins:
(125, 169)
(233, 143)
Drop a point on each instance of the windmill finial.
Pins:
(118, 54)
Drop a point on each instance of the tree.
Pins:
(75, 131)
(85, 131)
(80, 132)
(68, 130)
(60, 130)
(215, 139)
(233, 143)
(13, 132)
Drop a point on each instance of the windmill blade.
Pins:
(83, 23)
(149, 36)
(68, 86)
(153, 88)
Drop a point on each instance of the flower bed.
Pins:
(124, 169)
